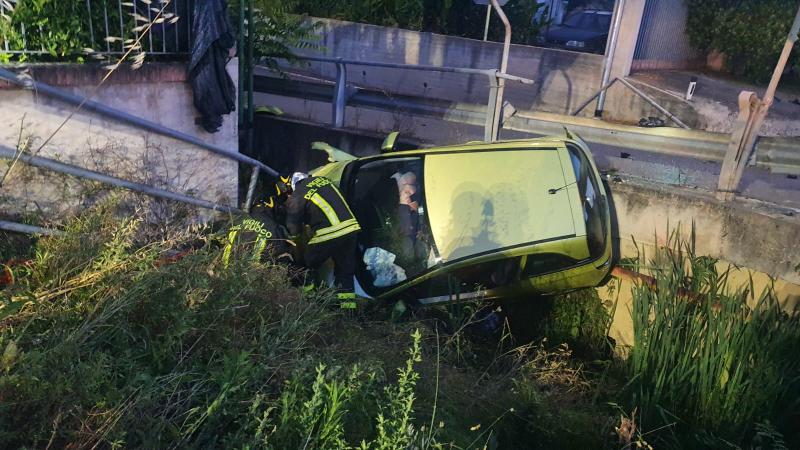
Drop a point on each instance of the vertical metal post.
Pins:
(240, 55)
(121, 27)
(251, 189)
(611, 48)
(149, 34)
(177, 26)
(501, 83)
(249, 68)
(488, 127)
(105, 21)
(91, 28)
(486, 27)
(339, 97)
(752, 113)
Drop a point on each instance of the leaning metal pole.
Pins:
(611, 48)
(501, 82)
(69, 169)
(130, 119)
(752, 113)
(25, 228)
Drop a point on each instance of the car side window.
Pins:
(472, 278)
(543, 263)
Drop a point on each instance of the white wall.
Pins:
(159, 93)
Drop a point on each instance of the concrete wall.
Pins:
(157, 92)
(762, 245)
(564, 79)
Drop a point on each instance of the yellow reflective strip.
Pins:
(326, 208)
(346, 224)
(261, 244)
(226, 254)
(351, 228)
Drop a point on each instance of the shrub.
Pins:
(458, 18)
(750, 33)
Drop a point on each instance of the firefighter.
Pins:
(262, 229)
(316, 209)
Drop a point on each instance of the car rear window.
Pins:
(395, 244)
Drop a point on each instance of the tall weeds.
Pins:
(710, 360)
(105, 345)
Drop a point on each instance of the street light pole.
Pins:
(501, 82)
(611, 48)
(486, 27)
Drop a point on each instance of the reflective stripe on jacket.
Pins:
(317, 202)
(248, 226)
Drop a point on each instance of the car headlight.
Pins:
(577, 44)
(540, 39)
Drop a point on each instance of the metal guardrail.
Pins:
(776, 154)
(493, 107)
(104, 26)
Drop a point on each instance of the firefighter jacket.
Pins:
(260, 230)
(317, 203)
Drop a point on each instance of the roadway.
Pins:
(434, 123)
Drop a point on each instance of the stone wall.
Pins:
(157, 92)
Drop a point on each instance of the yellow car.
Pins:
(479, 220)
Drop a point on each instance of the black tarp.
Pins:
(214, 91)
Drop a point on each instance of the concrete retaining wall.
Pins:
(157, 92)
(564, 79)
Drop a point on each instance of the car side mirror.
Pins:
(388, 143)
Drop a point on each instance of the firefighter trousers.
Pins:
(343, 252)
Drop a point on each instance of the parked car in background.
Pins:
(478, 220)
(585, 31)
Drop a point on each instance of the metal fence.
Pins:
(663, 42)
(65, 30)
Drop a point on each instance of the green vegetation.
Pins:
(458, 18)
(107, 343)
(277, 32)
(711, 363)
(750, 33)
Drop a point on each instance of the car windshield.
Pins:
(589, 21)
(395, 244)
(593, 202)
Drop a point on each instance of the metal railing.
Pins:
(104, 26)
(493, 106)
(776, 154)
(129, 119)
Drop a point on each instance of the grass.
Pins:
(104, 345)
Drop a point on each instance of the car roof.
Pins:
(483, 198)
